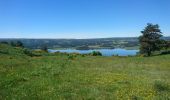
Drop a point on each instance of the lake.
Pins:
(105, 52)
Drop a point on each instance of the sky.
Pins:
(81, 18)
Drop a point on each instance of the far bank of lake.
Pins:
(105, 52)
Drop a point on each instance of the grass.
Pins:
(55, 76)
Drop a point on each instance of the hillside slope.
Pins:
(89, 77)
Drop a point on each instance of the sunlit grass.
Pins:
(84, 77)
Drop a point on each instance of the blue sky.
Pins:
(81, 18)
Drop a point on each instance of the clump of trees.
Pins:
(28, 52)
(44, 48)
(96, 53)
(71, 56)
(17, 44)
(4, 42)
(13, 43)
(150, 40)
(31, 53)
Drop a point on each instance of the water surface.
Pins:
(105, 52)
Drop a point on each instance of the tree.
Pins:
(12, 43)
(96, 53)
(150, 39)
(19, 44)
(44, 48)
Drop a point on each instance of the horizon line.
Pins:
(74, 38)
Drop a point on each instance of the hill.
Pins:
(109, 43)
(77, 43)
(54, 76)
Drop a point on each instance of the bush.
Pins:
(29, 53)
(17, 44)
(71, 57)
(165, 52)
(83, 55)
(96, 53)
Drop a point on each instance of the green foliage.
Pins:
(30, 53)
(8, 49)
(71, 56)
(17, 44)
(12, 44)
(83, 55)
(150, 39)
(96, 53)
(165, 52)
(166, 45)
(44, 48)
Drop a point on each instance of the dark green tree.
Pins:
(12, 44)
(150, 39)
(44, 48)
(96, 53)
(19, 44)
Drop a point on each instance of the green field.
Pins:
(54, 76)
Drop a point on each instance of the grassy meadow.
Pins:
(54, 76)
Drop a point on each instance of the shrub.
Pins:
(165, 52)
(71, 57)
(17, 44)
(83, 55)
(96, 53)
(29, 53)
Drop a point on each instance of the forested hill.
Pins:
(76, 43)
